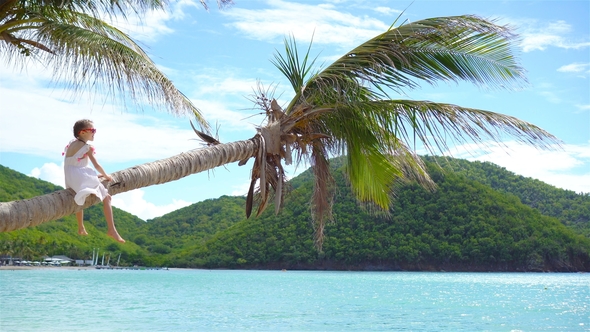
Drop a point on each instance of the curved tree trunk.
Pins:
(32, 212)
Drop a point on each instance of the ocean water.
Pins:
(222, 300)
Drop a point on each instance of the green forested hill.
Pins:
(571, 208)
(15, 186)
(467, 224)
(188, 226)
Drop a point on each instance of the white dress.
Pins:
(82, 178)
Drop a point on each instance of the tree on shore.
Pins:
(346, 109)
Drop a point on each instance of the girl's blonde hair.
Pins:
(81, 125)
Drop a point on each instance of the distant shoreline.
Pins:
(12, 267)
(143, 268)
(57, 268)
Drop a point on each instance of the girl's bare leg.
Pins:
(108, 214)
(81, 228)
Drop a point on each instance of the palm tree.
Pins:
(85, 51)
(346, 109)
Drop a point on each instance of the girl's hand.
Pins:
(106, 177)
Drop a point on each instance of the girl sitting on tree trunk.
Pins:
(83, 179)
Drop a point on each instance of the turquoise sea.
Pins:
(222, 300)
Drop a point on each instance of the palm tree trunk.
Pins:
(32, 212)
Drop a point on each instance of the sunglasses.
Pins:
(93, 130)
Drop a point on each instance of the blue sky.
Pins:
(217, 58)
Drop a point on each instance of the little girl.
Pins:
(83, 179)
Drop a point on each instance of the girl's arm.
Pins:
(97, 166)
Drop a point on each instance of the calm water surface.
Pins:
(204, 300)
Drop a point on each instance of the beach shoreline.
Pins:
(72, 268)
(15, 268)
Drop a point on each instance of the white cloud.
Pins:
(241, 189)
(224, 83)
(133, 202)
(153, 24)
(387, 10)
(179, 7)
(147, 28)
(554, 34)
(50, 172)
(224, 97)
(585, 107)
(323, 22)
(568, 168)
(217, 112)
(550, 96)
(575, 67)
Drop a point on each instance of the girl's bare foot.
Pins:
(116, 236)
(82, 231)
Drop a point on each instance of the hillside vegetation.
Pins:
(571, 208)
(480, 218)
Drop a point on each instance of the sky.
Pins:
(218, 57)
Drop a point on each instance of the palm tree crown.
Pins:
(346, 109)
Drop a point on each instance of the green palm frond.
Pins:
(98, 55)
(447, 48)
(297, 71)
(98, 8)
(435, 125)
(86, 52)
(376, 157)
